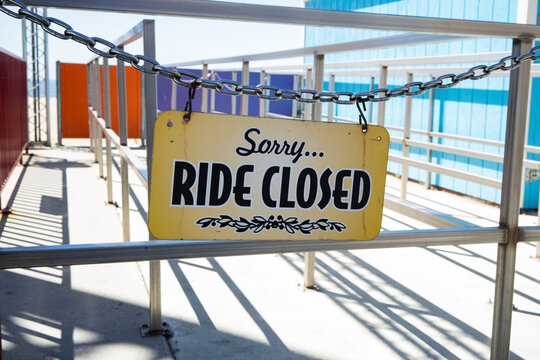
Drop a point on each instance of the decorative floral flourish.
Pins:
(259, 223)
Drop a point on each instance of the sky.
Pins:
(178, 39)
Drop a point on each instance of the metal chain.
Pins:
(234, 88)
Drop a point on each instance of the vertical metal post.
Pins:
(47, 100)
(99, 135)
(331, 88)
(244, 100)
(143, 112)
(122, 124)
(150, 91)
(262, 102)
(307, 107)
(97, 87)
(89, 93)
(107, 106)
(204, 93)
(431, 116)
(309, 257)
(406, 136)
(309, 270)
(383, 76)
(370, 106)
(233, 98)
(213, 94)
(518, 97)
(122, 101)
(318, 85)
(174, 90)
(58, 104)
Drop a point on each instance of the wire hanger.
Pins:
(361, 117)
(191, 94)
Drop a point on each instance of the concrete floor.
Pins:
(411, 303)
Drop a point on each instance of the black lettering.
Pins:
(240, 189)
(264, 146)
(284, 201)
(245, 151)
(339, 193)
(360, 199)
(267, 186)
(326, 190)
(220, 171)
(301, 188)
(297, 152)
(202, 184)
(182, 184)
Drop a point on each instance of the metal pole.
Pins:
(262, 102)
(99, 135)
(318, 85)
(47, 100)
(244, 100)
(213, 94)
(331, 88)
(431, 116)
(89, 93)
(518, 97)
(309, 270)
(107, 105)
(174, 90)
(406, 136)
(58, 104)
(204, 97)
(150, 91)
(307, 107)
(383, 75)
(233, 98)
(143, 112)
(97, 87)
(122, 124)
(370, 106)
(309, 257)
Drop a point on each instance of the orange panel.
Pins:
(75, 100)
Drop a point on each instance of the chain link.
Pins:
(234, 88)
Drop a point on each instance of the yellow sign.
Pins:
(224, 177)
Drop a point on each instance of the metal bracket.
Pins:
(531, 175)
(164, 331)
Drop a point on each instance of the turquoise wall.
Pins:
(473, 108)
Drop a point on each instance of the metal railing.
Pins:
(507, 235)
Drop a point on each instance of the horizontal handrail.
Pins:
(484, 180)
(60, 255)
(300, 16)
(124, 151)
(367, 44)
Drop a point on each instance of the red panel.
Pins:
(13, 112)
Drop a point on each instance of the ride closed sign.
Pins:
(225, 177)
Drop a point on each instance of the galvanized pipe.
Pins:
(123, 127)
(204, 92)
(107, 106)
(262, 102)
(244, 100)
(431, 115)
(381, 106)
(518, 98)
(405, 146)
(308, 107)
(331, 88)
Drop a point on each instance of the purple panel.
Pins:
(164, 87)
